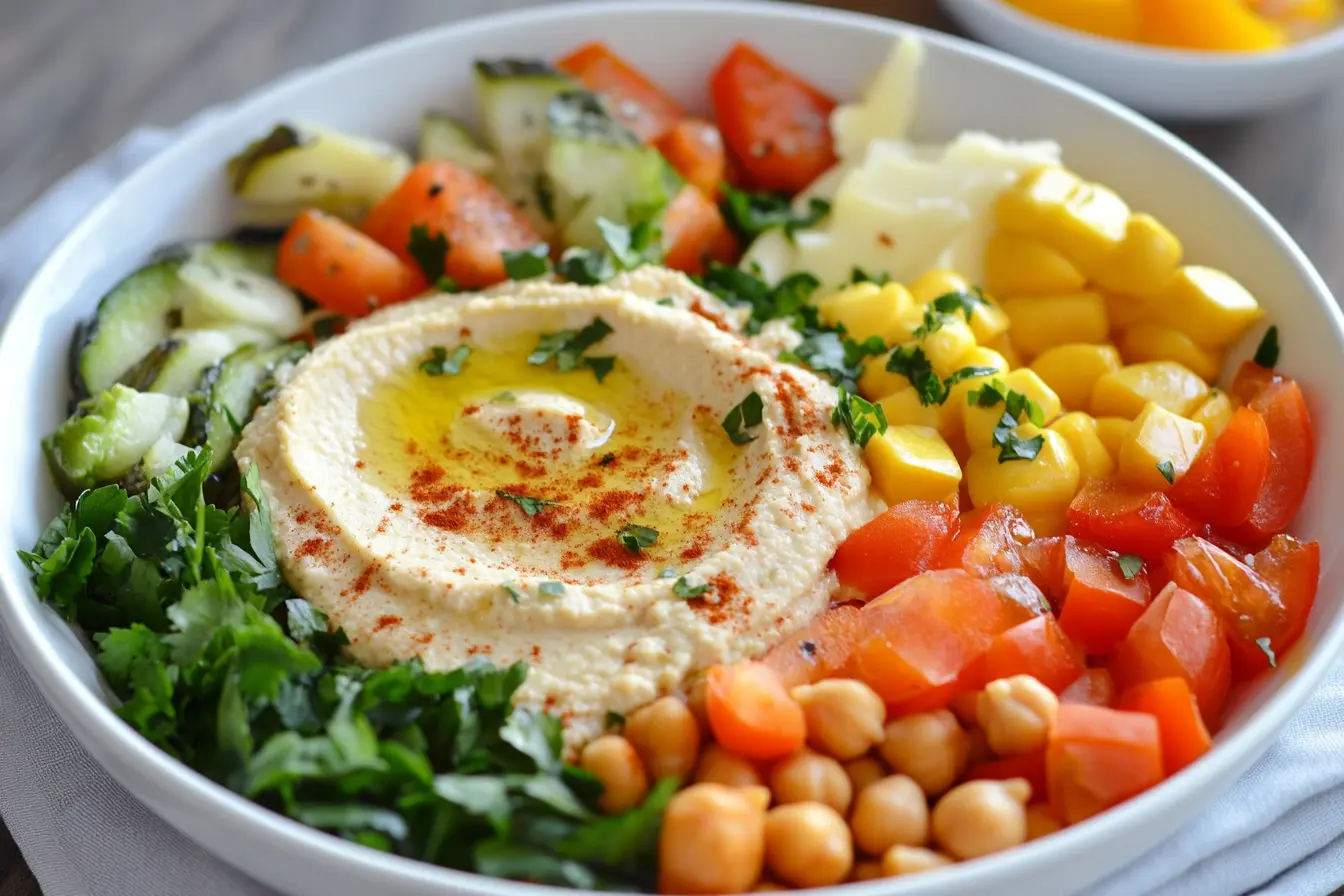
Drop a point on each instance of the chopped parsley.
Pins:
(859, 275)
(834, 355)
(585, 267)
(1263, 644)
(685, 590)
(911, 362)
(746, 414)
(531, 506)
(430, 252)
(626, 249)
(1130, 565)
(666, 302)
(861, 419)
(1012, 446)
(748, 215)
(614, 719)
(567, 347)
(514, 594)
(441, 361)
(447, 284)
(967, 302)
(607, 460)
(551, 589)
(636, 538)
(1168, 471)
(524, 264)
(1267, 354)
(787, 299)
(1016, 404)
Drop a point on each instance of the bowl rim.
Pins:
(1313, 49)
(103, 733)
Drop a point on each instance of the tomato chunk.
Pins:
(1178, 635)
(1143, 523)
(477, 220)
(1100, 604)
(1292, 451)
(1029, 765)
(1037, 647)
(695, 233)
(1185, 738)
(990, 542)
(818, 650)
(695, 148)
(1095, 687)
(336, 265)
(1097, 758)
(633, 99)
(1225, 481)
(901, 543)
(776, 125)
(751, 713)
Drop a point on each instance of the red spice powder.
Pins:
(386, 622)
(359, 465)
(607, 504)
(395, 507)
(382, 526)
(362, 581)
(589, 480)
(471, 409)
(572, 422)
(613, 553)
(318, 548)
(696, 549)
(532, 471)
(422, 637)
(718, 320)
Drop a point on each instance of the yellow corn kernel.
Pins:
(935, 283)
(1085, 221)
(1153, 342)
(1004, 346)
(1046, 483)
(912, 462)
(866, 309)
(1080, 431)
(1111, 431)
(1021, 266)
(980, 422)
(1072, 369)
(989, 321)
(1039, 323)
(1124, 392)
(876, 381)
(1214, 413)
(1126, 311)
(1157, 436)
(945, 346)
(903, 408)
(1145, 262)
(1208, 306)
(950, 424)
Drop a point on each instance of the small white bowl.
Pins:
(1163, 83)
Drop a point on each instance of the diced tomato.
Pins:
(989, 542)
(477, 220)
(751, 713)
(1143, 523)
(633, 99)
(1185, 738)
(1029, 765)
(775, 124)
(1097, 758)
(1043, 563)
(1100, 604)
(818, 650)
(901, 543)
(1178, 635)
(1292, 451)
(1225, 481)
(1294, 568)
(1095, 687)
(334, 264)
(695, 149)
(921, 636)
(694, 232)
(1037, 647)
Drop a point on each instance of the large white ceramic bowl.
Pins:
(1163, 83)
(382, 91)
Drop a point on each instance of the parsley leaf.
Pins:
(614, 719)
(635, 538)
(1014, 447)
(441, 361)
(860, 418)
(859, 275)
(586, 267)
(1267, 354)
(1130, 565)
(666, 302)
(685, 590)
(551, 589)
(748, 215)
(834, 355)
(524, 264)
(531, 506)
(566, 348)
(429, 252)
(447, 284)
(786, 299)
(747, 413)
(1168, 471)
(1263, 644)
(514, 594)
(966, 302)
(626, 249)
(911, 362)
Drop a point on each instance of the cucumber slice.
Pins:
(444, 138)
(231, 393)
(601, 170)
(296, 166)
(109, 434)
(225, 287)
(174, 366)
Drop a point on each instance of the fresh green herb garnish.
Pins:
(514, 594)
(1267, 354)
(787, 299)
(326, 327)
(635, 538)
(567, 348)
(667, 302)
(607, 460)
(746, 414)
(861, 419)
(1012, 446)
(683, 589)
(600, 365)
(524, 264)
(835, 356)
(966, 302)
(441, 361)
(585, 267)
(1263, 644)
(614, 719)
(447, 284)
(1130, 565)
(429, 252)
(503, 396)
(531, 506)
(749, 215)
(551, 589)
(626, 249)
(911, 362)
(1168, 471)
(1016, 404)
(859, 275)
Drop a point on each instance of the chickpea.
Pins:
(965, 707)
(929, 747)
(844, 717)
(981, 817)
(808, 845)
(810, 777)
(769, 886)
(616, 765)
(911, 860)
(666, 736)
(866, 869)
(892, 811)
(1017, 714)
(696, 692)
(1041, 822)
(864, 771)
(718, 766)
(713, 840)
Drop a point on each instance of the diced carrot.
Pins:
(818, 650)
(1030, 766)
(634, 100)
(342, 269)
(989, 542)
(694, 233)
(1037, 647)
(1099, 757)
(901, 543)
(1100, 604)
(695, 148)
(477, 220)
(1095, 687)
(750, 712)
(1169, 700)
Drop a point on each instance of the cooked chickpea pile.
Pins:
(868, 796)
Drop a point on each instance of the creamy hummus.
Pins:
(409, 506)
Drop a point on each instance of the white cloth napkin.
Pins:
(1279, 831)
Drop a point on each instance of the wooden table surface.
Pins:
(75, 75)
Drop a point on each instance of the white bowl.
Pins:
(381, 91)
(1163, 83)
